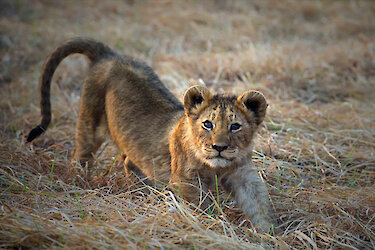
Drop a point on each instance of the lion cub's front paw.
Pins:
(264, 226)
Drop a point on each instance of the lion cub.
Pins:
(183, 145)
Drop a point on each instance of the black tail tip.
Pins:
(34, 133)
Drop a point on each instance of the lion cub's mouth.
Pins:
(219, 156)
(222, 155)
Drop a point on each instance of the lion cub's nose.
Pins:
(219, 148)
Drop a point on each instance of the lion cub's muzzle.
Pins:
(219, 155)
(219, 151)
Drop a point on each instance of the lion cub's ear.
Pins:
(255, 102)
(194, 97)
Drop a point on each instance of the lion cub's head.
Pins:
(223, 127)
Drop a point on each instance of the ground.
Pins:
(313, 60)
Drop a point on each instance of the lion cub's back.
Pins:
(141, 113)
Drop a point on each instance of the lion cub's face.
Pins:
(223, 127)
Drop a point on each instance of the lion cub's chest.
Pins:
(211, 178)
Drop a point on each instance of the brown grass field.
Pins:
(313, 60)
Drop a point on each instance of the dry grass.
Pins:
(314, 61)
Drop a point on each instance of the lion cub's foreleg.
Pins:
(251, 195)
(130, 168)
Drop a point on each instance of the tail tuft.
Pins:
(34, 133)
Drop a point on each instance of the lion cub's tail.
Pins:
(92, 49)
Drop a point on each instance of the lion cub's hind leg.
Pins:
(91, 125)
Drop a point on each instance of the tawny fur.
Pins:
(165, 140)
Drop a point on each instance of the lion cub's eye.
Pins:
(208, 125)
(235, 127)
